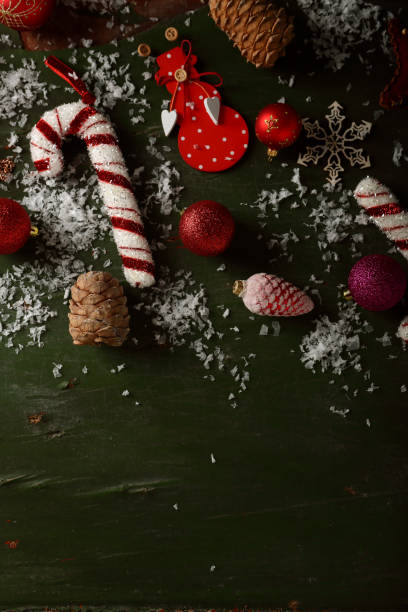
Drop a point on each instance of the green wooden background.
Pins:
(273, 513)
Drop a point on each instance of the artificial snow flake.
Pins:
(335, 143)
(56, 371)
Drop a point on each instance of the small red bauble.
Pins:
(206, 228)
(15, 226)
(277, 126)
(377, 282)
(25, 14)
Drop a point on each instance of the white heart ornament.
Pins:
(212, 106)
(168, 119)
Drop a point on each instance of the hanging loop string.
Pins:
(69, 75)
(200, 74)
(188, 43)
(173, 97)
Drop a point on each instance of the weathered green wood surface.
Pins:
(273, 513)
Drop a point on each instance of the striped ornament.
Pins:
(84, 121)
(403, 330)
(383, 208)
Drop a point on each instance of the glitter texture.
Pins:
(14, 226)
(377, 282)
(206, 228)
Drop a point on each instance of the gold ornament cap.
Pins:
(272, 153)
(238, 287)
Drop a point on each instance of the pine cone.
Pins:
(98, 310)
(258, 28)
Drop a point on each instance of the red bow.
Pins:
(182, 80)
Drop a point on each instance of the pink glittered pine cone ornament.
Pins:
(267, 294)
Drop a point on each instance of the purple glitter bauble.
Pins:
(377, 282)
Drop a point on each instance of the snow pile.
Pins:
(334, 345)
(111, 81)
(333, 222)
(163, 189)
(178, 307)
(338, 27)
(21, 88)
(68, 222)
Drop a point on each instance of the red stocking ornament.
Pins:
(212, 136)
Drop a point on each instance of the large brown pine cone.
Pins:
(98, 311)
(258, 28)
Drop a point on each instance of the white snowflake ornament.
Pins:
(335, 144)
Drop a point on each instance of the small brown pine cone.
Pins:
(258, 28)
(98, 311)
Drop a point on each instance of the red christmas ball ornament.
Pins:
(277, 126)
(377, 282)
(15, 226)
(206, 228)
(25, 14)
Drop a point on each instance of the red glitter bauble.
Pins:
(206, 228)
(25, 14)
(15, 226)
(278, 126)
(377, 282)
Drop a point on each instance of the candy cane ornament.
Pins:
(83, 120)
(384, 209)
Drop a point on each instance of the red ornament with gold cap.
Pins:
(15, 226)
(25, 14)
(277, 126)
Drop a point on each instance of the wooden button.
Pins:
(171, 34)
(180, 75)
(144, 50)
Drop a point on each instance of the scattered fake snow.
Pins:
(21, 88)
(334, 345)
(338, 27)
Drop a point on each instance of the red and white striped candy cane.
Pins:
(83, 120)
(383, 208)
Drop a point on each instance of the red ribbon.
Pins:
(187, 66)
(69, 75)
